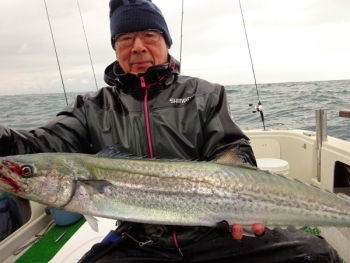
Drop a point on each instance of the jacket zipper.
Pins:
(145, 108)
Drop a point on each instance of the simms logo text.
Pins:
(181, 101)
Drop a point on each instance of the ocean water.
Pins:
(291, 104)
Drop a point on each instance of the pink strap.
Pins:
(175, 240)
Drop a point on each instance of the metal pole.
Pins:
(321, 136)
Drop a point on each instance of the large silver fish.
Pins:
(169, 192)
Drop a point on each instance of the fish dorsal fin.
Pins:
(116, 150)
(231, 157)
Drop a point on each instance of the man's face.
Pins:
(140, 56)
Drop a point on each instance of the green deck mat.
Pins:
(46, 248)
(313, 231)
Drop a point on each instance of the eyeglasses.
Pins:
(149, 36)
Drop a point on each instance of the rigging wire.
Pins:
(258, 108)
(182, 18)
(87, 44)
(54, 45)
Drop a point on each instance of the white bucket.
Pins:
(277, 166)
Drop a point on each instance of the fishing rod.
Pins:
(258, 108)
(182, 18)
(87, 44)
(54, 45)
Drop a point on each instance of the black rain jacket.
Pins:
(155, 114)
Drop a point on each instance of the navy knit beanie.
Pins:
(136, 15)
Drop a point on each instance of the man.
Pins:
(150, 110)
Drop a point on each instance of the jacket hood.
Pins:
(159, 74)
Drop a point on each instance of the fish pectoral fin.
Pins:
(93, 222)
(99, 186)
(247, 231)
(116, 151)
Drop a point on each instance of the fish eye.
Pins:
(26, 170)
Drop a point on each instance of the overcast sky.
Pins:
(290, 40)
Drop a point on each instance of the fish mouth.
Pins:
(9, 181)
(4, 178)
(1, 174)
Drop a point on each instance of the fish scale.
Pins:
(170, 192)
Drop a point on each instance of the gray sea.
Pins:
(291, 104)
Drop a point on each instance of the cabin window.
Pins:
(341, 178)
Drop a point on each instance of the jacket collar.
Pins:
(158, 76)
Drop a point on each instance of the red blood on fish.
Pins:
(9, 180)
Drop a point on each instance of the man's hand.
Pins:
(237, 230)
